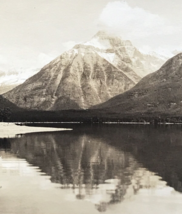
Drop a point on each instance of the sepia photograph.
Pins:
(90, 107)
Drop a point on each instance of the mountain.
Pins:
(160, 91)
(141, 63)
(4, 103)
(86, 75)
(4, 86)
(11, 78)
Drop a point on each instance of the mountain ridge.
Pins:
(83, 76)
(157, 92)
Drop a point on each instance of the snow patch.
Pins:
(108, 56)
(98, 43)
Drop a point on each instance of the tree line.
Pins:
(5, 114)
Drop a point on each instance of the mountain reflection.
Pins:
(95, 171)
(106, 165)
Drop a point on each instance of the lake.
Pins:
(108, 168)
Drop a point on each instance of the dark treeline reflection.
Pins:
(113, 159)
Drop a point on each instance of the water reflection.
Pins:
(106, 167)
(95, 171)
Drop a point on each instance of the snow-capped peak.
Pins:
(105, 44)
(103, 40)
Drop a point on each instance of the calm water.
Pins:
(111, 169)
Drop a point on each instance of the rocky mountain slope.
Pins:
(157, 92)
(88, 74)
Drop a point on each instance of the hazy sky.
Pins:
(33, 32)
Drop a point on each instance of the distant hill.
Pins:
(87, 75)
(5, 88)
(160, 92)
(11, 79)
(4, 103)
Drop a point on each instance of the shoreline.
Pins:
(101, 123)
(10, 130)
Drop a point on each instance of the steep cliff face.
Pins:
(157, 92)
(88, 74)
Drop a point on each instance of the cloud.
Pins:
(3, 60)
(136, 24)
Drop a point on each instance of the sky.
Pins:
(34, 32)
